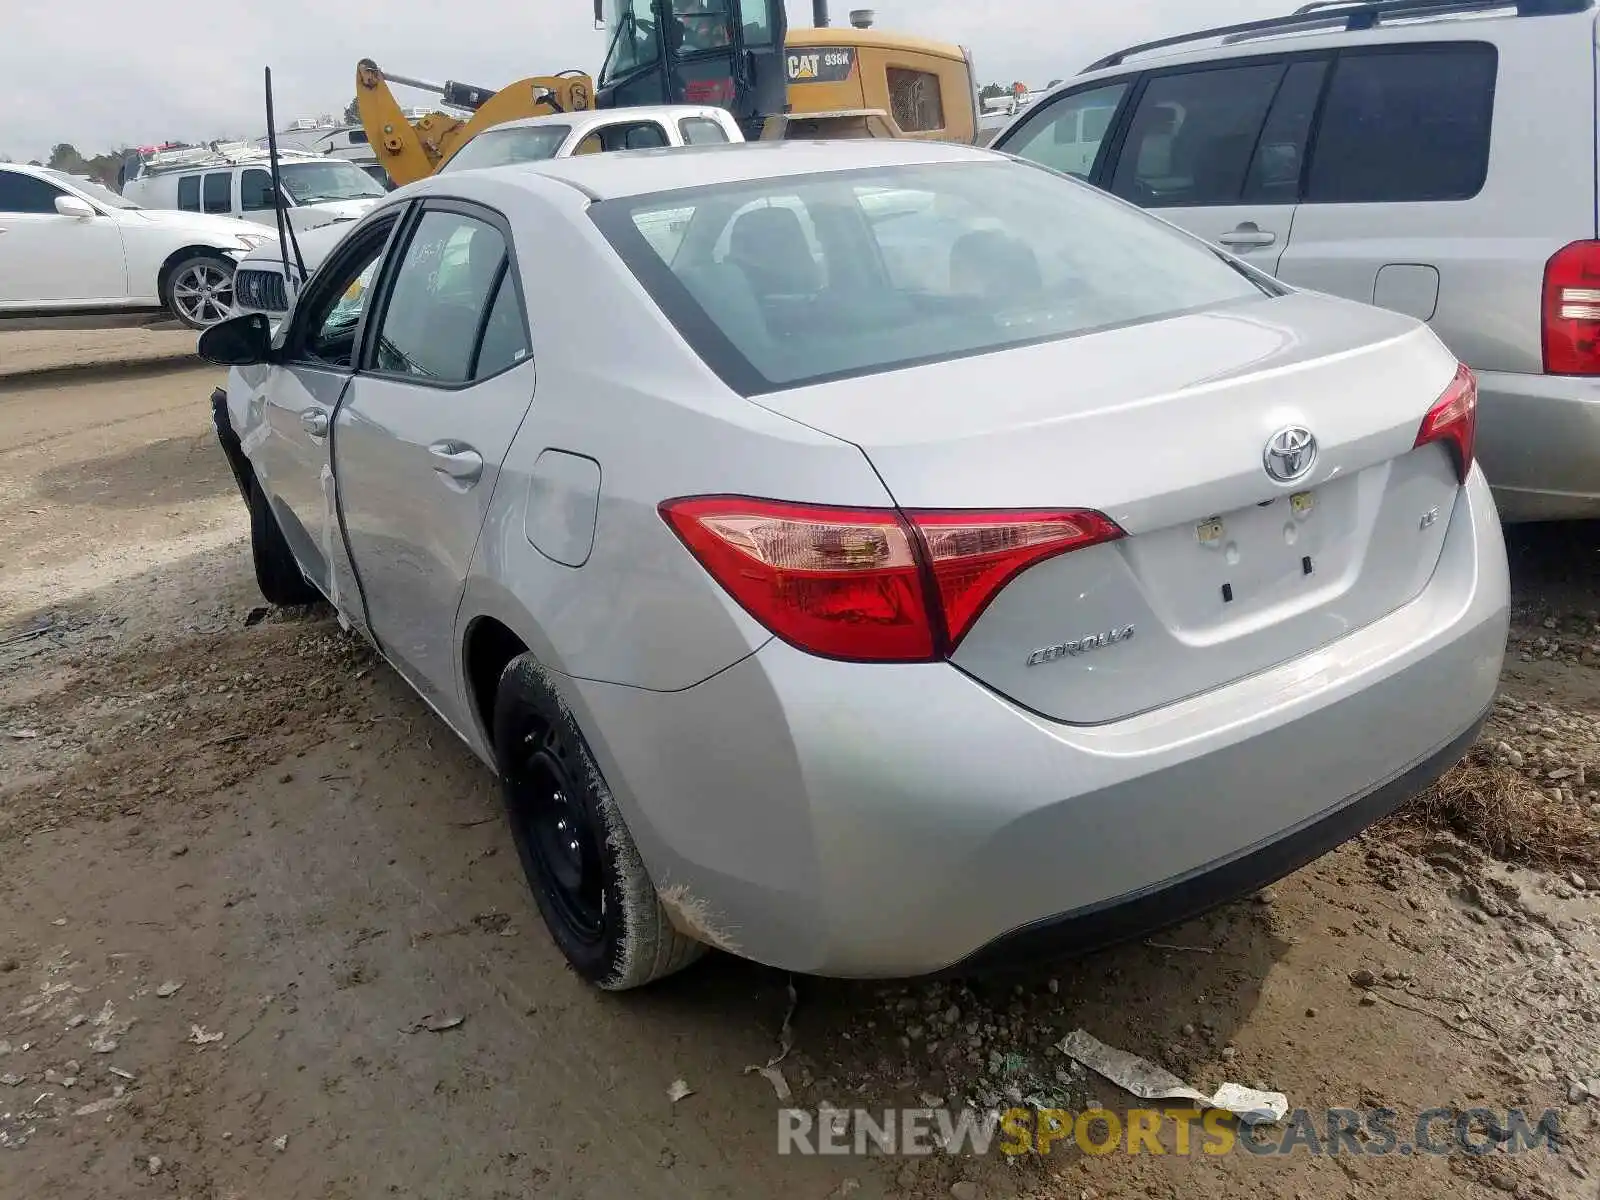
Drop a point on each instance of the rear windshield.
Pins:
(778, 283)
(501, 147)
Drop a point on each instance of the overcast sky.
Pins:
(106, 73)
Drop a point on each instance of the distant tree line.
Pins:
(64, 156)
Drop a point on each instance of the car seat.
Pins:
(769, 244)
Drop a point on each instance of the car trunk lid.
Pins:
(1165, 427)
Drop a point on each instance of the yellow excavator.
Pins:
(739, 54)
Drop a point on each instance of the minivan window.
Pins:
(1405, 126)
(1066, 135)
(501, 147)
(1193, 135)
(783, 282)
(218, 192)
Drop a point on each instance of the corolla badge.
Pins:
(1290, 454)
(1083, 645)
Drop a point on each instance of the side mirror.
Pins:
(599, 15)
(239, 341)
(72, 206)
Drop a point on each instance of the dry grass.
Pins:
(1502, 812)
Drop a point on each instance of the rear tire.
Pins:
(277, 574)
(587, 876)
(199, 290)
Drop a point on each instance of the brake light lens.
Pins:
(1571, 312)
(869, 584)
(1453, 420)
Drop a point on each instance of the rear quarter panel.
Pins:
(618, 386)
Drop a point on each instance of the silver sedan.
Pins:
(874, 558)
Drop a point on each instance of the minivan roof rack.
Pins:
(1331, 15)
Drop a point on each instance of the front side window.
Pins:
(701, 131)
(1193, 136)
(336, 304)
(631, 30)
(189, 193)
(218, 192)
(757, 22)
(785, 282)
(451, 268)
(255, 190)
(1405, 126)
(21, 193)
(501, 147)
(1066, 135)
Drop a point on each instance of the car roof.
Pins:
(641, 172)
(1407, 26)
(609, 116)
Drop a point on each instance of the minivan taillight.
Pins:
(1571, 310)
(1453, 420)
(871, 584)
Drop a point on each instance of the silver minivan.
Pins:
(1435, 157)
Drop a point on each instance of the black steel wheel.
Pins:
(582, 865)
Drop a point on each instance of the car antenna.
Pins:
(286, 237)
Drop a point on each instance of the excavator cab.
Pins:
(723, 52)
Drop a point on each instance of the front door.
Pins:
(290, 418)
(1218, 150)
(420, 437)
(47, 258)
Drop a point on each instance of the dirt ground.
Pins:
(265, 935)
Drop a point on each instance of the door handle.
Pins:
(1247, 236)
(315, 422)
(455, 461)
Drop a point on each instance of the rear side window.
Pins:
(1274, 176)
(218, 192)
(1405, 126)
(701, 131)
(448, 275)
(1194, 134)
(189, 193)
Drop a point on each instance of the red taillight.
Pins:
(1571, 311)
(1453, 420)
(871, 585)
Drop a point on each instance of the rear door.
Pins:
(1391, 202)
(447, 380)
(1218, 149)
(286, 430)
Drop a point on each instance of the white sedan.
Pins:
(73, 253)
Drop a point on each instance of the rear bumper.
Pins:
(878, 821)
(1539, 443)
(1176, 900)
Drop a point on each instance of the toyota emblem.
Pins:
(1290, 454)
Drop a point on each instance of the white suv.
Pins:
(236, 181)
(75, 253)
(1436, 157)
